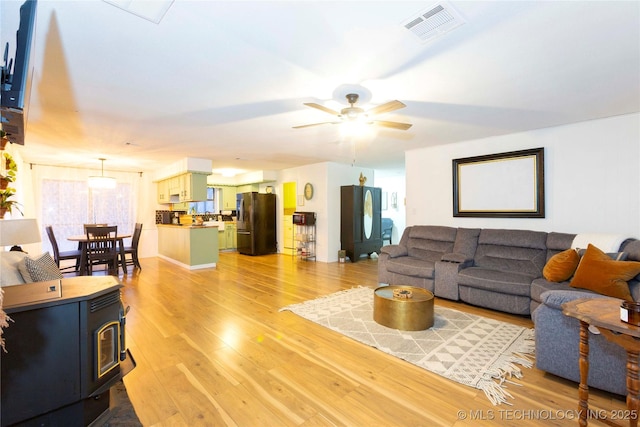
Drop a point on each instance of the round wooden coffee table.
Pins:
(399, 311)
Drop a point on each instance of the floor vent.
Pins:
(434, 21)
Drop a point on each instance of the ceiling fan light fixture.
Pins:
(101, 182)
(355, 128)
(352, 114)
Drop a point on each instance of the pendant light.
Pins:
(102, 181)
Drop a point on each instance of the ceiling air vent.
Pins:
(152, 11)
(434, 21)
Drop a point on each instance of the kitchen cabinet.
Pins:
(222, 240)
(184, 206)
(227, 238)
(193, 187)
(289, 246)
(231, 235)
(228, 198)
(174, 184)
(163, 191)
(247, 188)
(188, 187)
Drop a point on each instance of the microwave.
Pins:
(304, 218)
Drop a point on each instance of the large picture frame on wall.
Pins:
(503, 185)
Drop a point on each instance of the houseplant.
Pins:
(10, 171)
(6, 193)
(3, 139)
(7, 205)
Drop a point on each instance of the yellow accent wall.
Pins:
(289, 197)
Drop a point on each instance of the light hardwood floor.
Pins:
(212, 349)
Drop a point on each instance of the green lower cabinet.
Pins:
(231, 231)
(222, 240)
(227, 238)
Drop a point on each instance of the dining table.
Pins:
(82, 240)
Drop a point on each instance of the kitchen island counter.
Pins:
(189, 246)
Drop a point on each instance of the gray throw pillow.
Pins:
(43, 268)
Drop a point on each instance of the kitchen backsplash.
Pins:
(166, 217)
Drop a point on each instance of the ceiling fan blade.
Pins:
(394, 125)
(387, 107)
(322, 107)
(316, 124)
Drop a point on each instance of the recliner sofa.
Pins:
(503, 270)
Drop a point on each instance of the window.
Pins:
(69, 204)
(206, 205)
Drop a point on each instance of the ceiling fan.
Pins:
(353, 113)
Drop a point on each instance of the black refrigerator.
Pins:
(257, 224)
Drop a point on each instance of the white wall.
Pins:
(146, 214)
(394, 183)
(326, 178)
(592, 178)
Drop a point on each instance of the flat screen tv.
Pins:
(17, 72)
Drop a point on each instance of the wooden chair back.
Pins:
(93, 225)
(102, 247)
(135, 240)
(133, 249)
(54, 244)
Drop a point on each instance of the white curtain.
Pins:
(63, 199)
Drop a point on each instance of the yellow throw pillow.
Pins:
(599, 273)
(561, 266)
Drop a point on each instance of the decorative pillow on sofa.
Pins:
(43, 268)
(599, 273)
(561, 266)
(616, 256)
(9, 268)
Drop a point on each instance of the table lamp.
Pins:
(14, 232)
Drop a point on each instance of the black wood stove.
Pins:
(65, 349)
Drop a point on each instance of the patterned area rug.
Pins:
(469, 349)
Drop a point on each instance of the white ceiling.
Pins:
(226, 80)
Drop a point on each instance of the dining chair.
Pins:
(133, 249)
(64, 255)
(93, 225)
(84, 228)
(102, 248)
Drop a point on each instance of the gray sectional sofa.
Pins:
(502, 270)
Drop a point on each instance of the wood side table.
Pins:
(604, 314)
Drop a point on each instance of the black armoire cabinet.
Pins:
(360, 220)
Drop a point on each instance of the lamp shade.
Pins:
(102, 181)
(19, 231)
